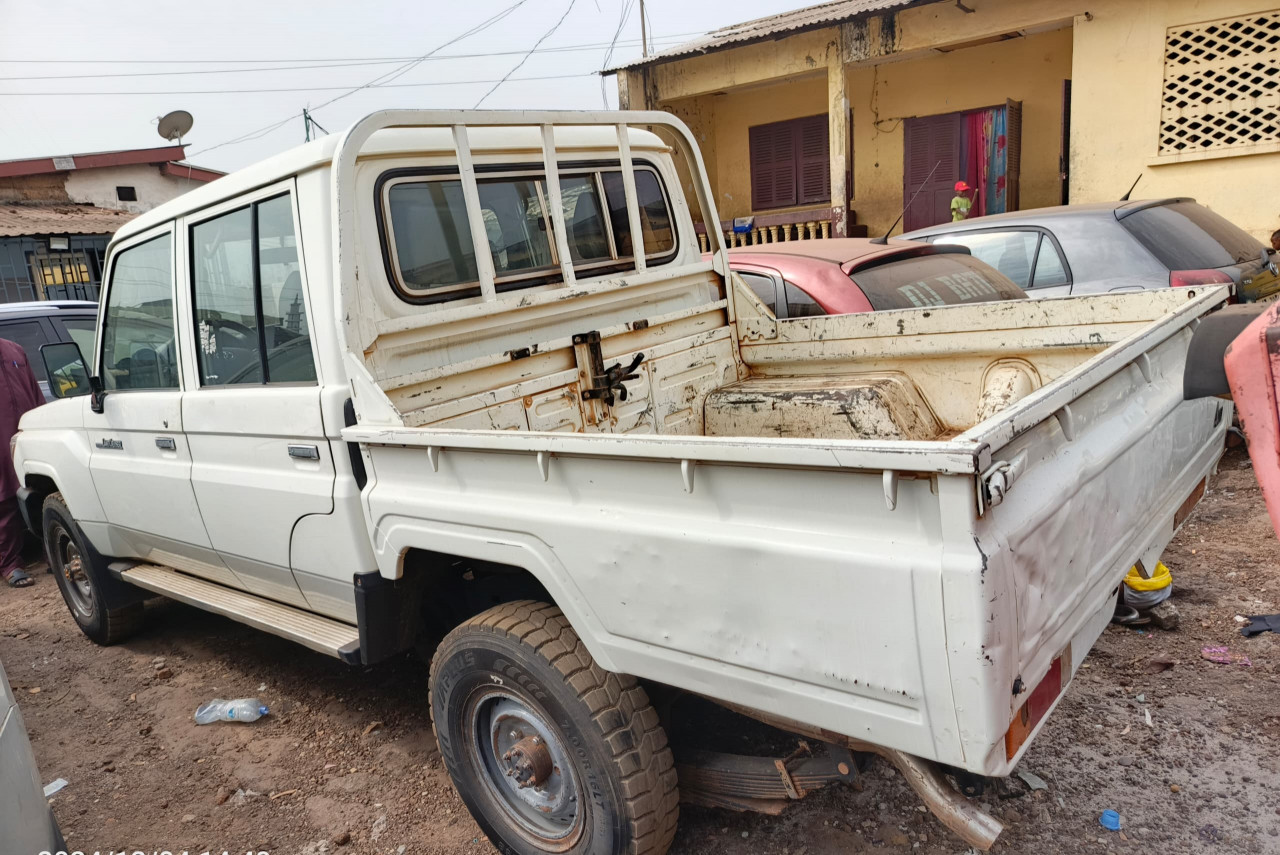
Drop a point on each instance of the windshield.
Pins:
(1187, 236)
(946, 279)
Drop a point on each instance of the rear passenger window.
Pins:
(1049, 267)
(1013, 253)
(137, 331)
(251, 321)
(429, 243)
(764, 288)
(29, 335)
(800, 304)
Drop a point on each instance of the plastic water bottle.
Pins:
(244, 709)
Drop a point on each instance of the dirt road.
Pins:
(346, 762)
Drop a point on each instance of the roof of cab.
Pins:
(434, 140)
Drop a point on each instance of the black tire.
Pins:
(519, 666)
(83, 578)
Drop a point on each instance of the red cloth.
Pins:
(19, 392)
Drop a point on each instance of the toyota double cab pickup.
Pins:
(465, 383)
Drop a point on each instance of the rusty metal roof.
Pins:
(42, 218)
(772, 27)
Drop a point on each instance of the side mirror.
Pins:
(1268, 262)
(68, 376)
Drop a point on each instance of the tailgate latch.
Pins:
(999, 478)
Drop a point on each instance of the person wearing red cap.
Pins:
(961, 204)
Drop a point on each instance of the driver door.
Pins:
(139, 459)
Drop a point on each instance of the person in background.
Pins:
(19, 392)
(1275, 240)
(961, 204)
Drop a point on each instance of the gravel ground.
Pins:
(347, 762)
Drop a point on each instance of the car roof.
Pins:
(1046, 216)
(47, 306)
(831, 250)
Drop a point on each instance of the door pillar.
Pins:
(839, 131)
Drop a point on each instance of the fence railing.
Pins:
(777, 228)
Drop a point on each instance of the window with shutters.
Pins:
(1221, 85)
(790, 163)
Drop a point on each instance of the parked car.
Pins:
(27, 824)
(849, 275)
(472, 389)
(42, 322)
(1115, 246)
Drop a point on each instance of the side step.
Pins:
(310, 630)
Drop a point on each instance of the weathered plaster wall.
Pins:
(98, 186)
(737, 111)
(1030, 70)
(1117, 84)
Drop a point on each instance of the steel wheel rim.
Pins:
(70, 566)
(526, 769)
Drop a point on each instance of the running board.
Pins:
(310, 630)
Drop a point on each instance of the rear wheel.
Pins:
(550, 752)
(82, 575)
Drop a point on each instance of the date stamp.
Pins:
(127, 851)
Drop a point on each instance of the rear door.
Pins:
(260, 458)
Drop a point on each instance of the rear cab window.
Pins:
(1188, 236)
(430, 256)
(944, 279)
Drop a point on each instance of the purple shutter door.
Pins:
(929, 142)
(815, 160)
(761, 144)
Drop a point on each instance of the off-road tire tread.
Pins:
(117, 624)
(617, 703)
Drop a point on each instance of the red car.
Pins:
(846, 275)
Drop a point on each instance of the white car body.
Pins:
(900, 581)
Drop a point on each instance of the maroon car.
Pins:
(847, 275)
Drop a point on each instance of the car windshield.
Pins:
(946, 279)
(1187, 236)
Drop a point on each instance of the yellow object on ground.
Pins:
(1161, 578)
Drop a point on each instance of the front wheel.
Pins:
(82, 577)
(550, 752)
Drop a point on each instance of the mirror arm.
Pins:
(99, 394)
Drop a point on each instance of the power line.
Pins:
(383, 78)
(525, 58)
(608, 55)
(370, 59)
(302, 88)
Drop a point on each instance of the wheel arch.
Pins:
(513, 566)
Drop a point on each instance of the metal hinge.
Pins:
(999, 478)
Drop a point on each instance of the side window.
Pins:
(251, 322)
(29, 335)
(1009, 252)
(764, 288)
(82, 331)
(800, 304)
(137, 332)
(1050, 269)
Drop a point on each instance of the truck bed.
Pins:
(910, 589)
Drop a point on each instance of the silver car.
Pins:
(1115, 246)
(26, 822)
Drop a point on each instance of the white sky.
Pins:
(223, 34)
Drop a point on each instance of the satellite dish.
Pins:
(175, 125)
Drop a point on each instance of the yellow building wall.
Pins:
(735, 112)
(1118, 76)
(1030, 70)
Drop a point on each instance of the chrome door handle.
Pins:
(166, 443)
(304, 452)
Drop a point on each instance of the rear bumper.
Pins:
(29, 504)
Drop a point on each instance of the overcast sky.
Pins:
(245, 43)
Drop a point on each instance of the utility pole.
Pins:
(644, 37)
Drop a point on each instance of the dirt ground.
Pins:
(346, 762)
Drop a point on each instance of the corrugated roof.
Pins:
(774, 26)
(38, 218)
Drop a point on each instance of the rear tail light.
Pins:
(1038, 703)
(1188, 278)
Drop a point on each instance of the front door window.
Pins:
(137, 332)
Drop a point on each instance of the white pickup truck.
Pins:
(465, 382)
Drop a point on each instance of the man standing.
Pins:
(19, 392)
